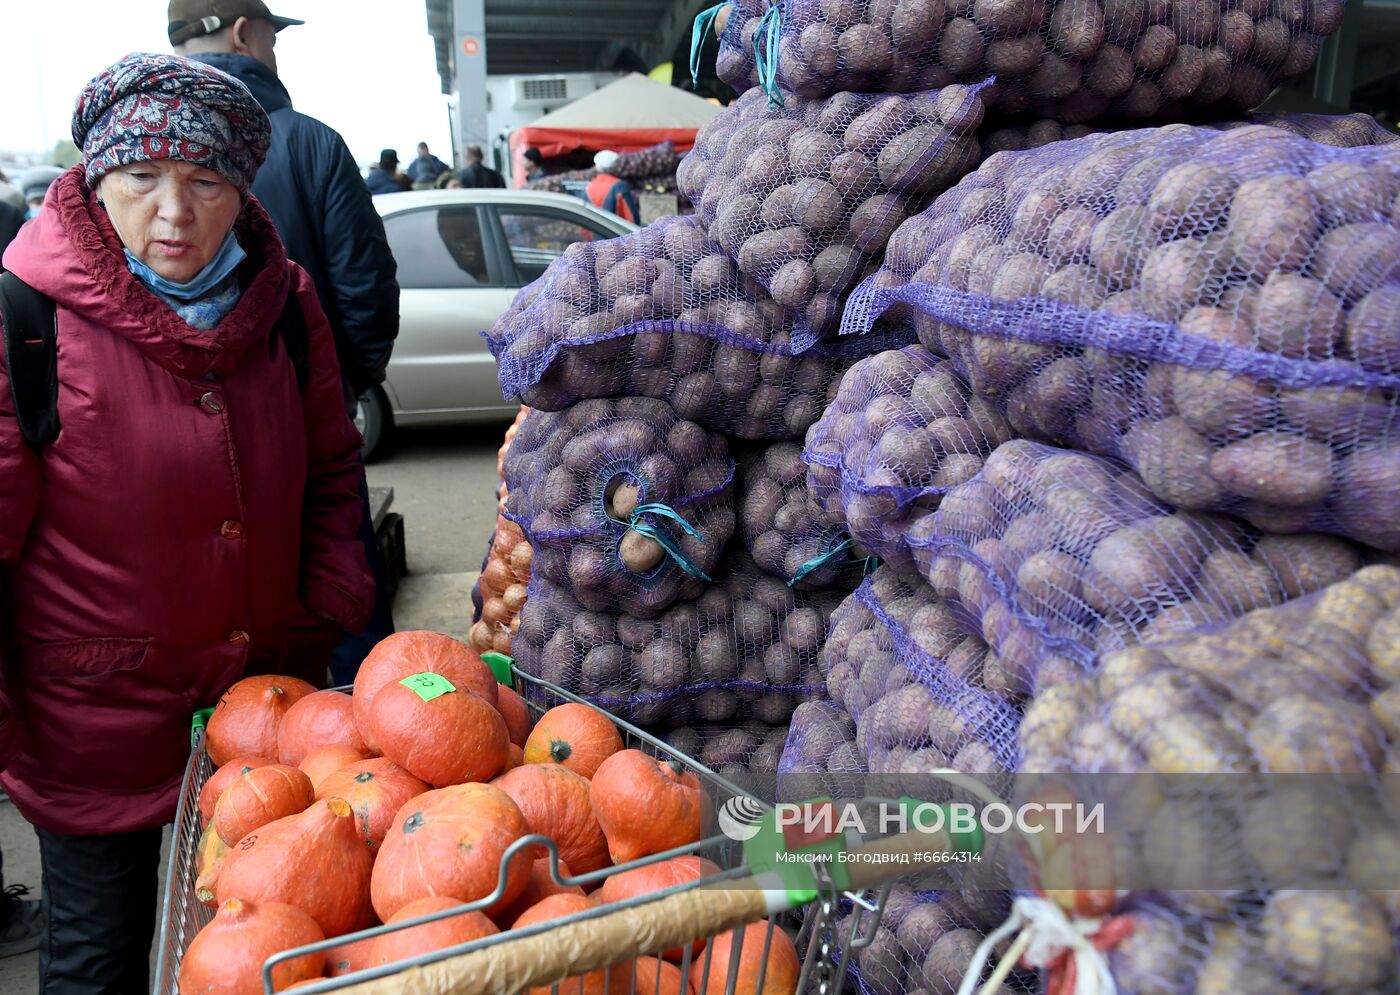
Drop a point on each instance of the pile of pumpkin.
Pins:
(506, 572)
(331, 813)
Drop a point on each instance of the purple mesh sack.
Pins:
(663, 313)
(781, 526)
(1075, 61)
(626, 505)
(914, 682)
(1056, 557)
(746, 753)
(655, 160)
(1220, 309)
(745, 649)
(805, 196)
(901, 433)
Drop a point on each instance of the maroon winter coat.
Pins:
(193, 509)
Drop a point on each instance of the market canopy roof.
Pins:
(557, 36)
(631, 114)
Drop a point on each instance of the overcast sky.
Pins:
(365, 68)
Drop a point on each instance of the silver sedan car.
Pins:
(462, 256)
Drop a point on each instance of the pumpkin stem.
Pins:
(413, 822)
(560, 750)
(677, 768)
(364, 777)
(235, 909)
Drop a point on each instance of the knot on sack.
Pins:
(638, 524)
(1073, 950)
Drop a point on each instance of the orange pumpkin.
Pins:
(645, 805)
(304, 984)
(516, 713)
(245, 720)
(394, 947)
(322, 718)
(415, 652)
(556, 907)
(515, 757)
(209, 860)
(314, 860)
(540, 886)
(575, 735)
(262, 795)
(554, 801)
(375, 789)
(780, 978)
(450, 842)
(348, 958)
(652, 878)
(226, 956)
(649, 976)
(455, 738)
(324, 761)
(220, 780)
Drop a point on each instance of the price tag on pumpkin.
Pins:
(428, 686)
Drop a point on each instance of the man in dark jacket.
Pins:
(476, 173)
(312, 187)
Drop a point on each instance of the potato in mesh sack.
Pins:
(664, 313)
(626, 505)
(902, 431)
(1295, 704)
(804, 197)
(781, 525)
(745, 649)
(1217, 308)
(1057, 557)
(1075, 61)
(915, 684)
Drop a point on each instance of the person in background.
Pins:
(199, 505)
(426, 168)
(609, 192)
(476, 173)
(11, 219)
(326, 217)
(34, 182)
(384, 177)
(9, 193)
(536, 160)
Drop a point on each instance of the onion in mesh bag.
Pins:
(625, 504)
(900, 434)
(663, 313)
(746, 648)
(1075, 61)
(1217, 308)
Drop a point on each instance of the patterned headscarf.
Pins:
(165, 107)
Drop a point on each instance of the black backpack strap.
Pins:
(31, 357)
(291, 326)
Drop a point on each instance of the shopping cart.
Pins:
(607, 935)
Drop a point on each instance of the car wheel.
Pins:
(376, 424)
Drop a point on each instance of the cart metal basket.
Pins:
(622, 931)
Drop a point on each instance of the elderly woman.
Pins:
(195, 518)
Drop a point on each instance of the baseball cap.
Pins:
(194, 18)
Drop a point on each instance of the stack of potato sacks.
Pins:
(682, 577)
(1127, 486)
(648, 170)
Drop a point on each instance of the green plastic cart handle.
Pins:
(198, 721)
(500, 665)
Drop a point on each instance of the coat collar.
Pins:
(72, 254)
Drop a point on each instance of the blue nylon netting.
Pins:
(804, 196)
(663, 313)
(1220, 309)
(900, 434)
(1075, 61)
(746, 648)
(781, 525)
(581, 482)
(1055, 557)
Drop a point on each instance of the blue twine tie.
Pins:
(817, 562)
(698, 30)
(767, 34)
(636, 524)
